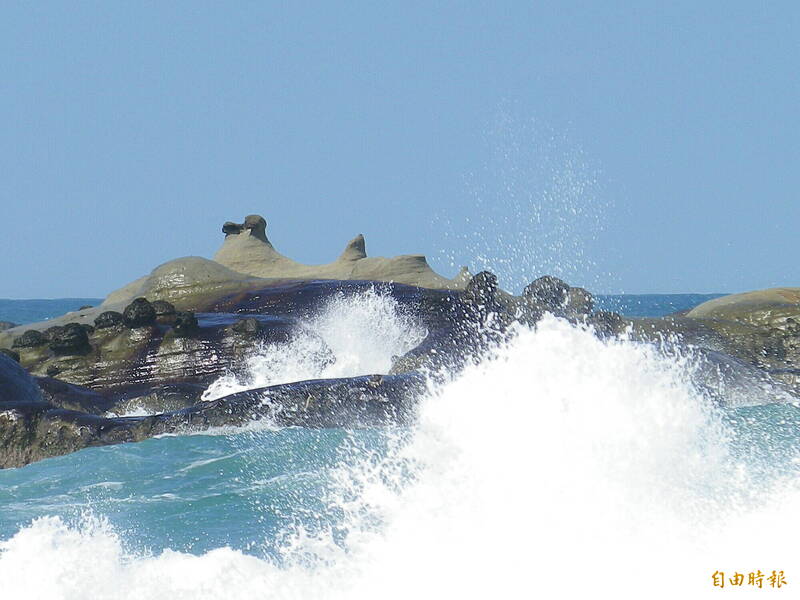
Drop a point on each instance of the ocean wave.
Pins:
(561, 466)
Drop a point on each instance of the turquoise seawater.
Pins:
(564, 450)
(31, 311)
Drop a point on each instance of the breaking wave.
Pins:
(562, 466)
(351, 336)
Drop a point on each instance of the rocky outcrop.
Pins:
(123, 357)
(761, 328)
(247, 249)
(33, 429)
(155, 344)
(70, 340)
(139, 313)
(247, 261)
(16, 385)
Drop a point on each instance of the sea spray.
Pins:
(351, 335)
(561, 466)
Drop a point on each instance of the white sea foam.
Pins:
(563, 467)
(356, 335)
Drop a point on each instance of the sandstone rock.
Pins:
(247, 249)
(749, 306)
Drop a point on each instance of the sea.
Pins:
(562, 466)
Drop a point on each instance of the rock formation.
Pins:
(247, 249)
(159, 341)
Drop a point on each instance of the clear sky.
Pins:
(637, 147)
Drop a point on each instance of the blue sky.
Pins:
(637, 147)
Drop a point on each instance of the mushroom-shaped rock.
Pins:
(247, 249)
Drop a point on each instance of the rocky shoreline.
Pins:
(161, 340)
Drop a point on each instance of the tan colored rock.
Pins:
(247, 249)
(247, 260)
(762, 308)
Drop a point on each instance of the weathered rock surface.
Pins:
(248, 250)
(16, 385)
(157, 343)
(34, 429)
(139, 313)
(109, 318)
(70, 340)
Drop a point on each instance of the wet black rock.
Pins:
(607, 323)
(7, 325)
(139, 313)
(53, 370)
(33, 427)
(71, 339)
(52, 332)
(16, 385)
(13, 355)
(73, 397)
(85, 307)
(163, 308)
(551, 292)
(30, 339)
(231, 228)
(579, 302)
(109, 318)
(481, 289)
(249, 326)
(479, 301)
(87, 328)
(185, 324)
